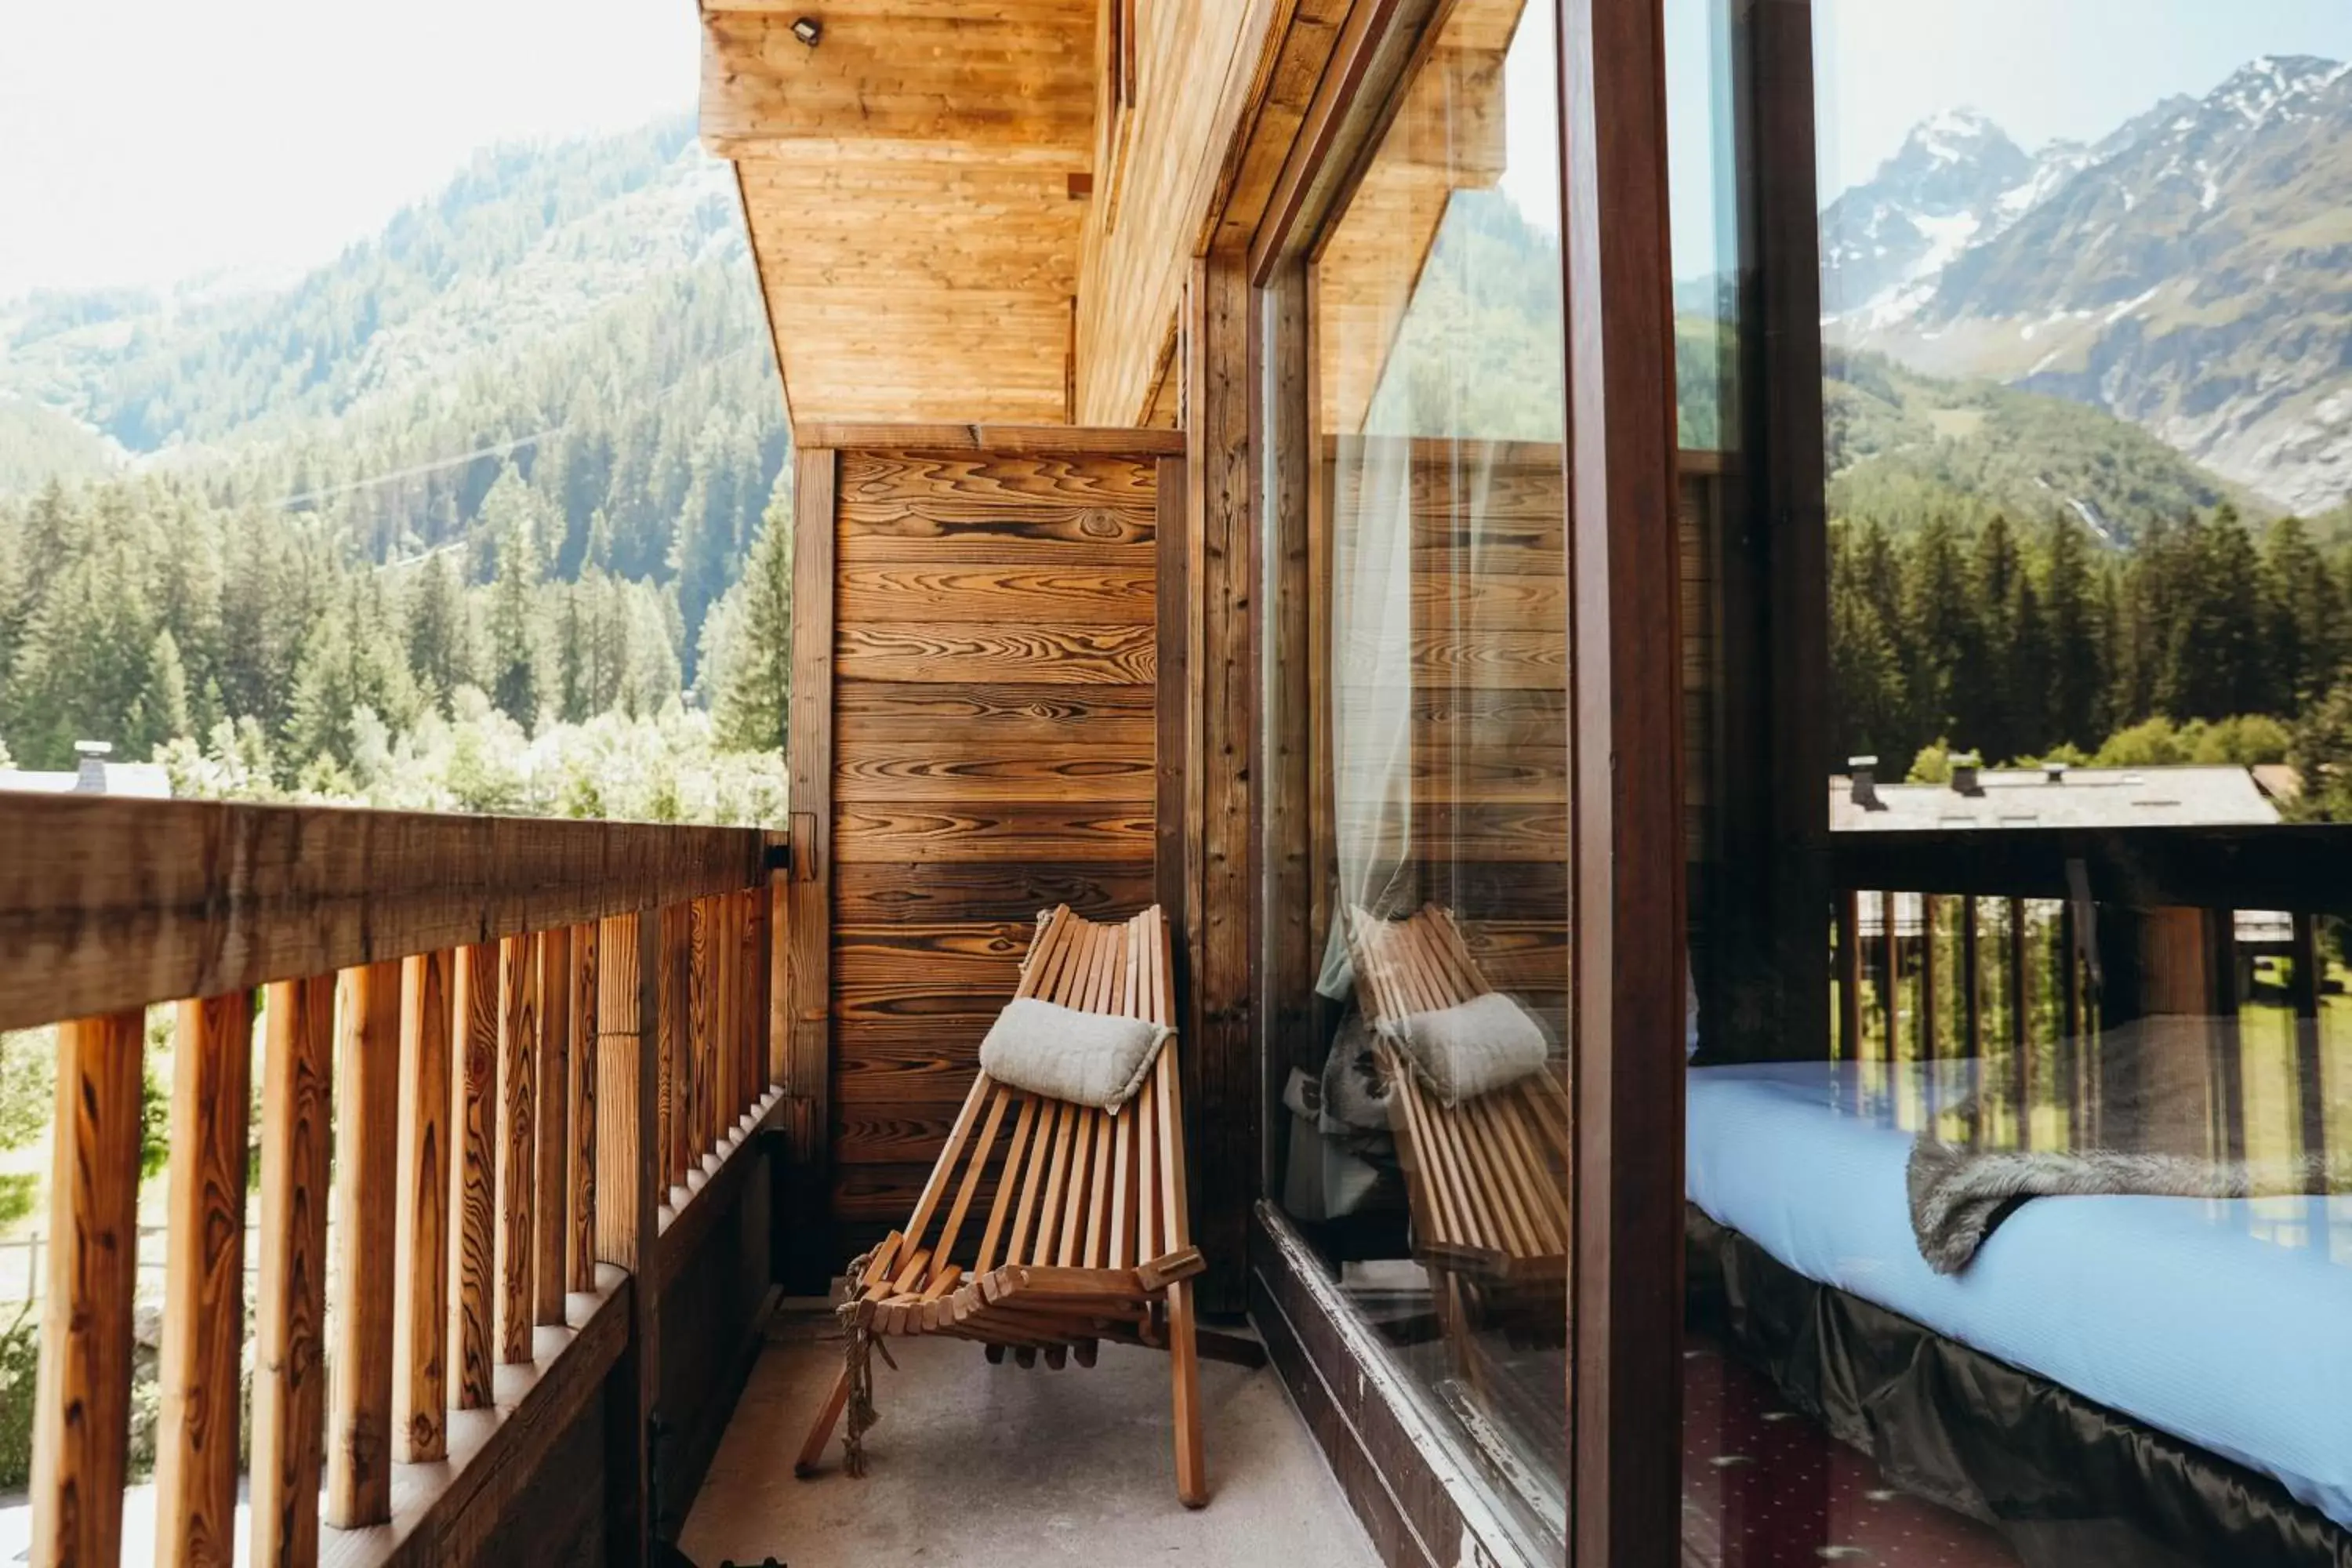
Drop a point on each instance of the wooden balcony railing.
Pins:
(2024, 947)
(504, 1064)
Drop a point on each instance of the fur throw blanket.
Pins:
(2152, 1126)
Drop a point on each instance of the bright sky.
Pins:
(2040, 69)
(147, 140)
(142, 140)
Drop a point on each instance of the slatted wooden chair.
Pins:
(1085, 1238)
(1487, 1179)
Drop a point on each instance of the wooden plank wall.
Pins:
(993, 752)
(1489, 663)
(1490, 676)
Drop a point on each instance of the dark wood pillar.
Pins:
(1769, 894)
(1221, 678)
(1625, 1309)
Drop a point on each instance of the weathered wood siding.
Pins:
(1489, 661)
(993, 752)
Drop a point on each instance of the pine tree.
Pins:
(753, 686)
(1872, 702)
(2304, 642)
(513, 630)
(575, 658)
(1988, 712)
(1941, 642)
(2076, 641)
(440, 633)
(164, 711)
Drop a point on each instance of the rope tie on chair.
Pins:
(857, 1316)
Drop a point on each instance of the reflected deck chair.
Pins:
(1487, 1179)
(1085, 1238)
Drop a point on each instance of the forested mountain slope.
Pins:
(522, 441)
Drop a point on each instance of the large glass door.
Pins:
(1419, 674)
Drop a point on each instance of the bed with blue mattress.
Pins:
(2226, 1324)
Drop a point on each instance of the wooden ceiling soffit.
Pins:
(913, 185)
(977, 83)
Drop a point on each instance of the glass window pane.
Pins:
(2040, 1254)
(1423, 1067)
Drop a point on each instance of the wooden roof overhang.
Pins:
(915, 185)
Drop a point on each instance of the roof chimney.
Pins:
(2054, 773)
(89, 776)
(1964, 773)
(1866, 783)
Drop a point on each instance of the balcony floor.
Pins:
(980, 1465)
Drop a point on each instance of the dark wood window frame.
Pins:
(1625, 1298)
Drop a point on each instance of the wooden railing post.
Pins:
(671, 1067)
(2305, 985)
(517, 1080)
(81, 1428)
(548, 1228)
(203, 1283)
(1930, 1015)
(1893, 980)
(473, 1178)
(776, 1022)
(289, 1364)
(582, 1250)
(627, 1025)
(1849, 921)
(420, 1389)
(367, 1177)
(703, 1014)
(1972, 980)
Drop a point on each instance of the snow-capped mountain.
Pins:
(1942, 191)
(2191, 272)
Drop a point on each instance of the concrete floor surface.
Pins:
(979, 1466)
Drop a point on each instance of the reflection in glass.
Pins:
(2042, 1255)
(1427, 1150)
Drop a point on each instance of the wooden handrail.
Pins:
(109, 904)
(466, 1020)
(2305, 866)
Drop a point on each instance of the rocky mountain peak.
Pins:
(2184, 272)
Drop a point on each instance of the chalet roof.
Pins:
(2071, 797)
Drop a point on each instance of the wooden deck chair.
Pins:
(1085, 1238)
(1487, 1179)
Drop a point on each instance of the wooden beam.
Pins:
(81, 1411)
(107, 904)
(961, 84)
(1626, 1297)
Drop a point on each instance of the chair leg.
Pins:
(812, 1457)
(1184, 1374)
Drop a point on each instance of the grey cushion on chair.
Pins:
(1472, 1047)
(1088, 1059)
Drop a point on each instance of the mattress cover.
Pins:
(2226, 1323)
